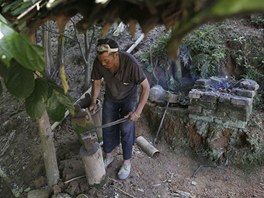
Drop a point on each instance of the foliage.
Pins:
(248, 56)
(16, 7)
(21, 66)
(19, 80)
(257, 20)
(157, 51)
(246, 159)
(207, 50)
(254, 155)
(216, 9)
(11, 46)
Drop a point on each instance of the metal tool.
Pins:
(111, 123)
(155, 141)
(90, 137)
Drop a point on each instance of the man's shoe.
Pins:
(124, 171)
(108, 161)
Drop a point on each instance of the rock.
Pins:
(56, 189)
(157, 93)
(194, 183)
(39, 193)
(61, 195)
(82, 196)
(40, 182)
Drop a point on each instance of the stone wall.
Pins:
(227, 105)
(215, 118)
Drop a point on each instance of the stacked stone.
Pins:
(230, 109)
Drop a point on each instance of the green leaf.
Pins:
(3, 19)
(19, 80)
(55, 108)
(3, 69)
(14, 45)
(63, 98)
(227, 7)
(36, 102)
(58, 102)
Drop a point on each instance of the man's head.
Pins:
(107, 52)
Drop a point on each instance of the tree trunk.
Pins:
(60, 60)
(87, 48)
(47, 47)
(49, 152)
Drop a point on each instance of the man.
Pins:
(122, 75)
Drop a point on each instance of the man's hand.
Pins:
(133, 116)
(93, 107)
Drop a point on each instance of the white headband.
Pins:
(105, 48)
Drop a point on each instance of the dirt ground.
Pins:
(175, 172)
(172, 173)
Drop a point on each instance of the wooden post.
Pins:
(93, 163)
(90, 152)
(49, 151)
(97, 118)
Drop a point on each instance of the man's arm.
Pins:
(142, 100)
(96, 88)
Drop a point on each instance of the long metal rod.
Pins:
(111, 123)
(161, 122)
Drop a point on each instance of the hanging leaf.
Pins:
(58, 102)
(55, 108)
(63, 98)
(19, 80)
(36, 102)
(14, 45)
(3, 69)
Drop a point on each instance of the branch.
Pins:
(124, 192)
(79, 44)
(54, 32)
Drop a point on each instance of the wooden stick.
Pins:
(72, 179)
(124, 192)
(37, 5)
(136, 43)
(196, 171)
(114, 180)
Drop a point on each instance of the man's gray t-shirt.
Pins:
(123, 83)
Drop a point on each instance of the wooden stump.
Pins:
(93, 164)
(97, 119)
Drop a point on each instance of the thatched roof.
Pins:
(180, 15)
